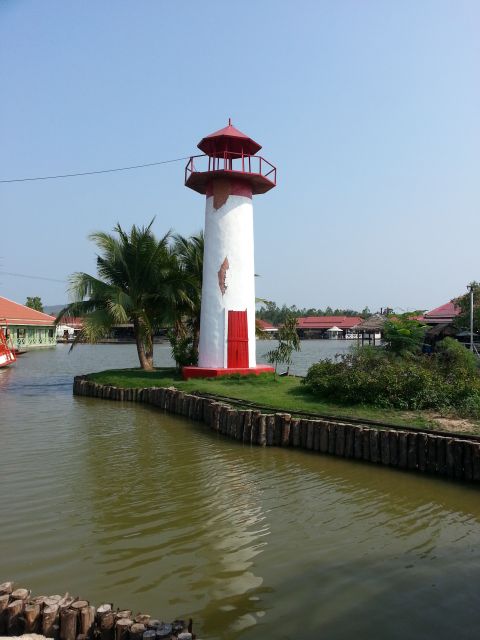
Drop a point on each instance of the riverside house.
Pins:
(26, 327)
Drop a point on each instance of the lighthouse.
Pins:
(229, 174)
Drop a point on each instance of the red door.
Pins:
(237, 340)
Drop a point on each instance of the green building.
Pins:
(25, 327)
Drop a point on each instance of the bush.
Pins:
(182, 350)
(375, 377)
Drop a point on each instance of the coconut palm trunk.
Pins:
(144, 342)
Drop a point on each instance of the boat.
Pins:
(7, 353)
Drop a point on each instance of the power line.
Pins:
(24, 275)
(92, 173)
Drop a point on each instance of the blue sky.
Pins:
(369, 110)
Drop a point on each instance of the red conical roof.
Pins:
(228, 139)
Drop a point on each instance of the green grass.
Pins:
(286, 393)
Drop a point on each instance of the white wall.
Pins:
(228, 234)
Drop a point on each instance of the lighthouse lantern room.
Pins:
(229, 173)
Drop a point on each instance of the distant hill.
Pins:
(53, 309)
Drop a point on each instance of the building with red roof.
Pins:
(445, 314)
(266, 327)
(26, 327)
(317, 327)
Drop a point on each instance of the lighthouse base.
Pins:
(213, 372)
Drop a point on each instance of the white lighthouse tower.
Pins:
(229, 174)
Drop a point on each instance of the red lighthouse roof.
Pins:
(228, 139)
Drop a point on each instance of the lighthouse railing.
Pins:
(229, 161)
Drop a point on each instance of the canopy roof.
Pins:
(374, 324)
(228, 139)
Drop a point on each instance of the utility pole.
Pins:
(470, 288)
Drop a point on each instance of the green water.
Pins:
(123, 503)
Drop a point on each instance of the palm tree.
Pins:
(189, 253)
(139, 282)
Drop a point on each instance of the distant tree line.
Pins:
(271, 312)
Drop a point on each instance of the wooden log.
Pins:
(458, 447)
(15, 621)
(349, 441)
(374, 446)
(68, 623)
(143, 618)
(450, 457)
(6, 588)
(384, 446)
(442, 456)
(78, 605)
(105, 621)
(122, 628)
(191, 401)
(165, 630)
(412, 452)
(50, 618)
(239, 425)
(3, 612)
(32, 618)
(402, 449)
(468, 461)
(295, 432)
(224, 419)
(366, 444)
(232, 423)
(66, 601)
(262, 430)
(270, 424)
(160, 398)
(247, 427)
(476, 461)
(422, 451)
(254, 433)
(286, 426)
(21, 594)
(123, 613)
(302, 434)
(358, 443)
(340, 441)
(393, 446)
(187, 400)
(215, 423)
(277, 429)
(431, 454)
(332, 437)
(322, 436)
(153, 624)
(137, 630)
(200, 405)
(317, 431)
(87, 620)
(309, 442)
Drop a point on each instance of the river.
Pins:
(122, 503)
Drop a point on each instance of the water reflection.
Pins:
(124, 503)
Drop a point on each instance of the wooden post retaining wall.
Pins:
(66, 618)
(443, 455)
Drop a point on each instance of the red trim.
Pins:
(237, 188)
(213, 372)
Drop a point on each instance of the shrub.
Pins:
(376, 377)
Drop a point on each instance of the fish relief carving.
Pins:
(222, 276)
